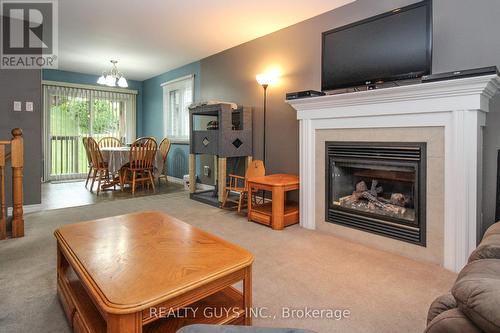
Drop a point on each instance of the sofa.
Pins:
(237, 329)
(473, 304)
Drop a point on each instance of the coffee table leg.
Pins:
(247, 295)
(128, 323)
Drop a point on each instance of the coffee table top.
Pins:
(131, 262)
(279, 179)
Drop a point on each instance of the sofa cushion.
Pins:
(441, 304)
(477, 291)
(489, 248)
(237, 329)
(452, 321)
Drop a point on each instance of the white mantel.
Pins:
(459, 106)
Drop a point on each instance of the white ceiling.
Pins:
(149, 37)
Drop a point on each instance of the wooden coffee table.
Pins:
(149, 272)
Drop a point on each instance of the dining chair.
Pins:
(140, 167)
(239, 184)
(164, 149)
(99, 166)
(89, 159)
(110, 141)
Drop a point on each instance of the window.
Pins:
(72, 112)
(177, 96)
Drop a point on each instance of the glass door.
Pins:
(73, 113)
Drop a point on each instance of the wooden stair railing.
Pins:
(16, 156)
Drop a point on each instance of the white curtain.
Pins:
(71, 113)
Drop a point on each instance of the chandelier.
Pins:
(113, 77)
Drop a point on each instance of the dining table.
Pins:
(116, 157)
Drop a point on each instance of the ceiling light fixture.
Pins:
(113, 77)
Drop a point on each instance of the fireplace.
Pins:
(378, 188)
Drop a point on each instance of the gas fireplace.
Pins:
(378, 188)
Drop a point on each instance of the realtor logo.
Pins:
(29, 34)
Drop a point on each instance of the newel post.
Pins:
(3, 208)
(17, 154)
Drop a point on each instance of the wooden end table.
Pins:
(279, 213)
(142, 272)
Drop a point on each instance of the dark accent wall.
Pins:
(25, 86)
(465, 36)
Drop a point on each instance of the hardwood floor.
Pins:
(57, 195)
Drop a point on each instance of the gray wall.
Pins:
(465, 36)
(23, 85)
(230, 75)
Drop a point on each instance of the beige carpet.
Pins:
(295, 268)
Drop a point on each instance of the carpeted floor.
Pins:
(295, 268)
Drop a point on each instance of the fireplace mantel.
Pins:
(459, 106)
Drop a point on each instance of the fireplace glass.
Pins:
(378, 188)
(383, 190)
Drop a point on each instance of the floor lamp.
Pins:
(265, 79)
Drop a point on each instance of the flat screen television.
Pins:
(396, 45)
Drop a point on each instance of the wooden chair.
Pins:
(239, 184)
(140, 167)
(99, 167)
(110, 141)
(164, 149)
(89, 159)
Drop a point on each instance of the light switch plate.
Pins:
(18, 106)
(29, 106)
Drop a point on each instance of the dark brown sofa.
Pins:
(473, 305)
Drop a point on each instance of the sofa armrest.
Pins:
(452, 321)
(489, 248)
(441, 304)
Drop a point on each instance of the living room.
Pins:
(360, 136)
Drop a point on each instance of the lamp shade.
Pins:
(267, 78)
(101, 80)
(122, 82)
(110, 81)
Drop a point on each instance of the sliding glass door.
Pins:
(73, 113)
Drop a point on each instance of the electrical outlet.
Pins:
(18, 106)
(29, 106)
(206, 171)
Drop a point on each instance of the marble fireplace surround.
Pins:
(457, 107)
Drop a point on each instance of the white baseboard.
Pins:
(175, 180)
(27, 209)
(199, 186)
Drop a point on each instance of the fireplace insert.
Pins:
(378, 188)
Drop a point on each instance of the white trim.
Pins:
(175, 180)
(89, 87)
(199, 186)
(460, 106)
(182, 78)
(179, 142)
(28, 209)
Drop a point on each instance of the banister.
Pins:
(17, 163)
